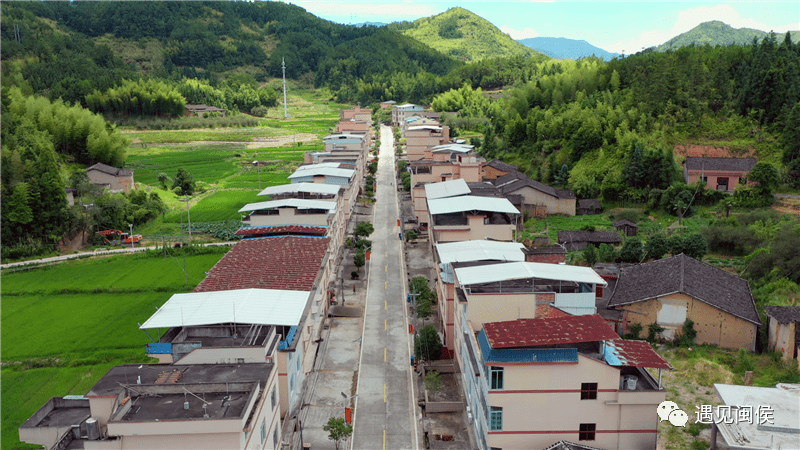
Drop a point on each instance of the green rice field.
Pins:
(222, 205)
(64, 326)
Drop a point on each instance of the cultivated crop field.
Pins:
(223, 205)
(65, 325)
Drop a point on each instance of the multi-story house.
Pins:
(469, 217)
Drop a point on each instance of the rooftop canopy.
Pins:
(299, 203)
(524, 270)
(322, 169)
(253, 306)
(311, 188)
(633, 354)
(453, 148)
(445, 189)
(466, 203)
(480, 251)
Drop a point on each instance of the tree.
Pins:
(562, 177)
(337, 430)
(163, 179)
(693, 245)
(606, 253)
(791, 142)
(359, 259)
(411, 235)
(767, 177)
(428, 345)
(363, 229)
(184, 181)
(631, 250)
(656, 246)
(590, 255)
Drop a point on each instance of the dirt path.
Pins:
(257, 142)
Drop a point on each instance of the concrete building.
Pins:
(538, 198)
(530, 382)
(784, 334)
(111, 178)
(774, 423)
(423, 137)
(722, 174)
(237, 326)
(468, 217)
(356, 113)
(145, 406)
(421, 193)
(446, 255)
(283, 263)
(289, 211)
(552, 254)
(404, 111)
(671, 290)
(416, 120)
(495, 169)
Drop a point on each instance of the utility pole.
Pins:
(130, 236)
(189, 217)
(283, 68)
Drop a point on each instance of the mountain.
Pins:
(563, 48)
(719, 33)
(462, 35)
(369, 24)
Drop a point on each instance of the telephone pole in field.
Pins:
(283, 67)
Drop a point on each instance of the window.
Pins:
(588, 391)
(496, 419)
(586, 432)
(496, 377)
(275, 438)
(273, 398)
(705, 179)
(263, 430)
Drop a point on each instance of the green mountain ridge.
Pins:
(462, 35)
(720, 33)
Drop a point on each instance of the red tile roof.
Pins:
(282, 229)
(637, 354)
(538, 332)
(549, 312)
(283, 262)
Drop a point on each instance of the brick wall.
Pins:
(546, 258)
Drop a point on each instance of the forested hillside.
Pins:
(462, 35)
(718, 33)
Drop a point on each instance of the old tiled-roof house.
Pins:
(784, 334)
(110, 177)
(669, 291)
(199, 110)
(627, 227)
(722, 174)
(536, 197)
(577, 239)
(495, 169)
(589, 206)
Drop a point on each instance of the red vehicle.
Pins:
(124, 237)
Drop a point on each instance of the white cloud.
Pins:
(519, 34)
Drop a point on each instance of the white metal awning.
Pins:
(470, 203)
(480, 251)
(523, 270)
(311, 188)
(444, 189)
(299, 203)
(253, 306)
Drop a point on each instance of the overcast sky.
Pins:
(611, 25)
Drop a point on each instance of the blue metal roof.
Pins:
(525, 355)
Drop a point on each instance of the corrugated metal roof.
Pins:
(523, 270)
(254, 306)
(443, 189)
(470, 203)
(541, 332)
(334, 137)
(425, 127)
(453, 148)
(480, 251)
(324, 171)
(633, 354)
(311, 188)
(274, 230)
(298, 203)
(527, 355)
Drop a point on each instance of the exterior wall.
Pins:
(713, 177)
(712, 325)
(331, 145)
(474, 230)
(490, 173)
(533, 390)
(188, 442)
(287, 216)
(554, 205)
(418, 140)
(781, 338)
(483, 308)
(344, 126)
(116, 183)
(224, 355)
(400, 114)
(549, 258)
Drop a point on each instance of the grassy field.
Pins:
(65, 326)
(223, 205)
